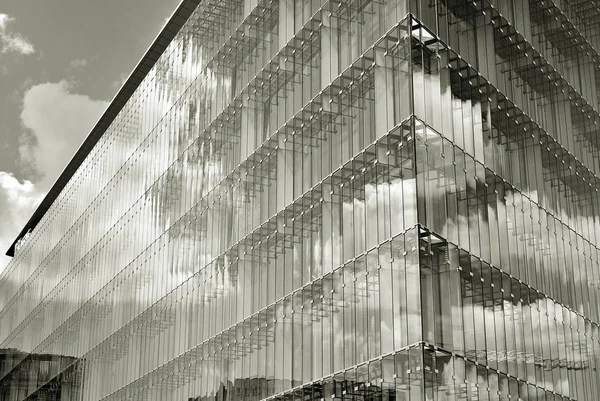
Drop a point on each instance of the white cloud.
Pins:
(13, 42)
(4, 20)
(78, 63)
(17, 201)
(58, 120)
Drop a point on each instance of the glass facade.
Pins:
(330, 199)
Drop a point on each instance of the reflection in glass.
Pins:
(374, 199)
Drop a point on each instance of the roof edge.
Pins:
(151, 56)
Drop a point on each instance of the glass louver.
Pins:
(330, 199)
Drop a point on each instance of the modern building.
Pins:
(329, 200)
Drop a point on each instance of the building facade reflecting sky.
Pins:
(329, 199)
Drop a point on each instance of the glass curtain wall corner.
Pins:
(329, 199)
(506, 114)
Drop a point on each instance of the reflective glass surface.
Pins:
(330, 199)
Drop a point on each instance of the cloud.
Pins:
(59, 121)
(117, 83)
(13, 42)
(78, 63)
(17, 201)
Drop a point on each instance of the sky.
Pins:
(61, 62)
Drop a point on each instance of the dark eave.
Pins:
(171, 28)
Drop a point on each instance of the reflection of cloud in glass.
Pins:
(576, 350)
(396, 199)
(143, 165)
(400, 204)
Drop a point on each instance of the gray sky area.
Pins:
(61, 61)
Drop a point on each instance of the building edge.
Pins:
(143, 67)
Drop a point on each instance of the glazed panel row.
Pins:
(491, 318)
(418, 373)
(447, 377)
(462, 200)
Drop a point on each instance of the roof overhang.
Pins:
(164, 38)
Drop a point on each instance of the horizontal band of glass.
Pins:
(462, 200)
(489, 317)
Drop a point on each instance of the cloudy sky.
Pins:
(61, 62)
